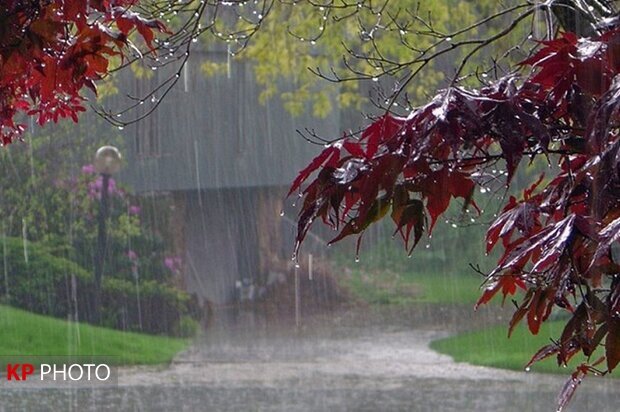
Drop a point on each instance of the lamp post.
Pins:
(107, 162)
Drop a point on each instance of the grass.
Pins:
(387, 287)
(25, 334)
(438, 272)
(491, 347)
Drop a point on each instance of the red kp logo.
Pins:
(12, 371)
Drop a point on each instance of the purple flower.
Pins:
(173, 263)
(98, 183)
(111, 186)
(169, 263)
(96, 186)
(134, 210)
(132, 255)
(88, 169)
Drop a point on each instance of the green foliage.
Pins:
(37, 281)
(36, 177)
(297, 36)
(49, 194)
(162, 308)
(187, 327)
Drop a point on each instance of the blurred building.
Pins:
(225, 161)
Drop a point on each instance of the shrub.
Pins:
(187, 327)
(38, 281)
(161, 309)
(42, 283)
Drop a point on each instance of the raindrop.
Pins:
(6, 272)
(282, 212)
(527, 369)
(25, 240)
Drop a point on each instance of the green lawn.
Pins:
(491, 347)
(387, 287)
(28, 334)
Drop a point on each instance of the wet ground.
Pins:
(352, 360)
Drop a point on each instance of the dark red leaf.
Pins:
(382, 130)
(354, 148)
(543, 353)
(317, 162)
(612, 343)
(569, 388)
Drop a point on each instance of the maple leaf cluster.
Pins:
(557, 238)
(50, 51)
